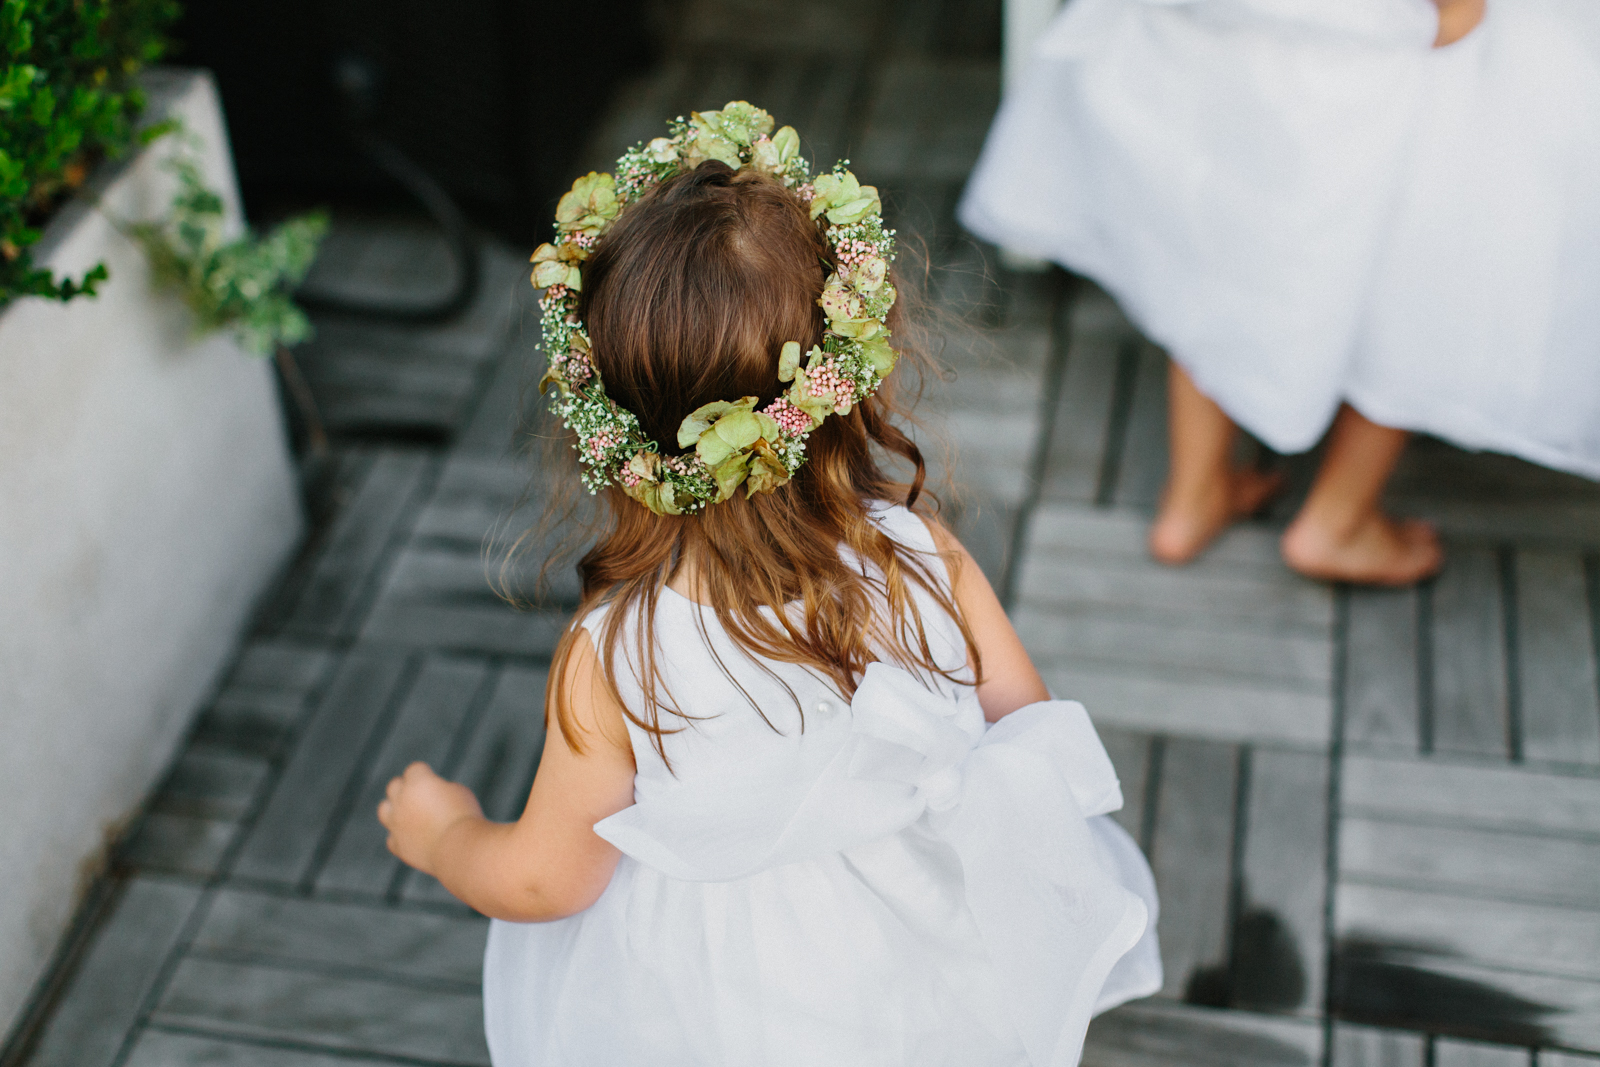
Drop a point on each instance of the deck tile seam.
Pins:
(357, 972)
(284, 890)
(1338, 696)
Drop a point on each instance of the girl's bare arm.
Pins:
(1010, 680)
(1457, 18)
(550, 863)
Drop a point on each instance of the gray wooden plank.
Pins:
(178, 844)
(1381, 670)
(440, 598)
(1372, 1046)
(1191, 854)
(1083, 413)
(265, 696)
(284, 840)
(333, 595)
(1557, 674)
(1144, 449)
(1507, 798)
(1202, 595)
(1542, 939)
(1453, 1052)
(1158, 701)
(163, 1048)
(1130, 755)
(403, 942)
(211, 781)
(1278, 946)
(1507, 865)
(1554, 1058)
(499, 760)
(1077, 529)
(1403, 986)
(1287, 660)
(1468, 649)
(444, 694)
(105, 996)
(1150, 1033)
(328, 1009)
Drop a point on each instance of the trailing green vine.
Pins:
(244, 284)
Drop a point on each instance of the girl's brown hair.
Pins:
(688, 299)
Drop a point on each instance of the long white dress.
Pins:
(895, 885)
(1305, 203)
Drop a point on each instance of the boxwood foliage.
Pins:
(67, 100)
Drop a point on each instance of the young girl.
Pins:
(804, 798)
(1379, 214)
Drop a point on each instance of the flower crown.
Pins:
(733, 443)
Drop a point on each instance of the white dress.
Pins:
(896, 884)
(1305, 202)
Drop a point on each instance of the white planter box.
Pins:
(146, 500)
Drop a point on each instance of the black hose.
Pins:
(356, 79)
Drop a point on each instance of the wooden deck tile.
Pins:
(1470, 713)
(1278, 945)
(1560, 686)
(165, 843)
(1449, 1052)
(109, 989)
(1466, 794)
(1370, 1046)
(498, 761)
(1191, 854)
(1534, 938)
(335, 592)
(438, 598)
(1082, 420)
(1130, 755)
(446, 692)
(168, 1048)
(1381, 671)
(1504, 865)
(285, 840)
(405, 943)
(332, 1010)
(1144, 451)
(1153, 1033)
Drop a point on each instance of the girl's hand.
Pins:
(420, 808)
(1457, 18)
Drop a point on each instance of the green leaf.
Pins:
(788, 361)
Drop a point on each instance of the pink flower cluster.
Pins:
(629, 478)
(575, 368)
(793, 421)
(601, 441)
(825, 380)
(854, 251)
(806, 192)
(581, 239)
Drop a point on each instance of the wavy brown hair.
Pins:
(688, 299)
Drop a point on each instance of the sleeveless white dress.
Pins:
(1305, 203)
(897, 883)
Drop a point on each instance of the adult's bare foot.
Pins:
(1184, 527)
(1380, 551)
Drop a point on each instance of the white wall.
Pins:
(146, 499)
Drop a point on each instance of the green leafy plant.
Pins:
(67, 99)
(244, 284)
